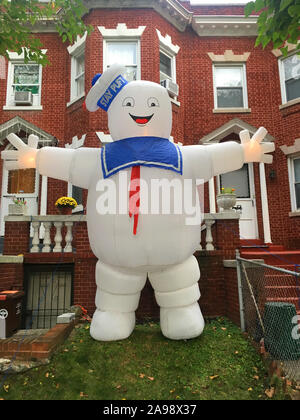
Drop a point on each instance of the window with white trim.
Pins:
(289, 69)
(167, 69)
(77, 53)
(230, 86)
(294, 169)
(24, 78)
(76, 193)
(125, 52)
(79, 75)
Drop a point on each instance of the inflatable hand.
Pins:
(25, 155)
(254, 149)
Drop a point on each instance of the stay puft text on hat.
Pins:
(105, 88)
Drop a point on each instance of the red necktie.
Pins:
(134, 196)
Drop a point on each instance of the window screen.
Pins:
(21, 181)
(26, 78)
(229, 87)
(165, 66)
(292, 77)
(124, 53)
(239, 180)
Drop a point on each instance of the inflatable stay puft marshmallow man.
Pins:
(136, 237)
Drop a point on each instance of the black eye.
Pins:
(152, 102)
(128, 102)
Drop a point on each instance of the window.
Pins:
(166, 67)
(21, 181)
(77, 194)
(125, 53)
(230, 88)
(295, 182)
(78, 80)
(239, 180)
(77, 53)
(290, 77)
(24, 78)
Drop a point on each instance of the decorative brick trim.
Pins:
(290, 150)
(229, 56)
(121, 31)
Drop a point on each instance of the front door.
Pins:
(243, 182)
(22, 183)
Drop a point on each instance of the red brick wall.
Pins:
(11, 276)
(16, 239)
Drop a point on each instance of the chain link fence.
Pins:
(270, 311)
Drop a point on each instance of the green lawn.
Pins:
(221, 364)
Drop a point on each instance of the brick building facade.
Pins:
(225, 85)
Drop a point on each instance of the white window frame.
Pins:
(244, 85)
(291, 171)
(107, 41)
(122, 34)
(282, 79)
(76, 51)
(173, 65)
(15, 59)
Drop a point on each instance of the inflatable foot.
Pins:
(112, 326)
(181, 323)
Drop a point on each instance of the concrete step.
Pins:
(285, 292)
(295, 301)
(274, 258)
(280, 279)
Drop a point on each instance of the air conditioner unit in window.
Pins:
(23, 98)
(172, 88)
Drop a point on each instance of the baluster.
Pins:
(47, 237)
(58, 237)
(69, 237)
(209, 237)
(36, 237)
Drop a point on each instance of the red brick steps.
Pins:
(279, 286)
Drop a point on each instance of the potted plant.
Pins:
(226, 199)
(19, 207)
(65, 205)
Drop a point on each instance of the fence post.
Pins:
(240, 290)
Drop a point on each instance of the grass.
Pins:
(219, 365)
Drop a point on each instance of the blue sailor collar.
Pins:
(156, 152)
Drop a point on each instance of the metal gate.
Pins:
(48, 293)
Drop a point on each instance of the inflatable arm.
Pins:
(216, 159)
(75, 166)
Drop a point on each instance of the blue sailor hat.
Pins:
(105, 87)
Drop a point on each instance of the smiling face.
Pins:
(140, 109)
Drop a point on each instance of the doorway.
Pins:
(21, 183)
(242, 181)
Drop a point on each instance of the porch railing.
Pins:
(56, 233)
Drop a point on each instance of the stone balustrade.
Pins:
(49, 233)
(53, 233)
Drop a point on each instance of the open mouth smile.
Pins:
(141, 120)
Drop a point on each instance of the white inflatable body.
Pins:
(163, 245)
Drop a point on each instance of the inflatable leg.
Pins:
(117, 298)
(177, 293)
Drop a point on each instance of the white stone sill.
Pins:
(294, 213)
(290, 103)
(11, 259)
(22, 108)
(73, 101)
(231, 110)
(47, 218)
